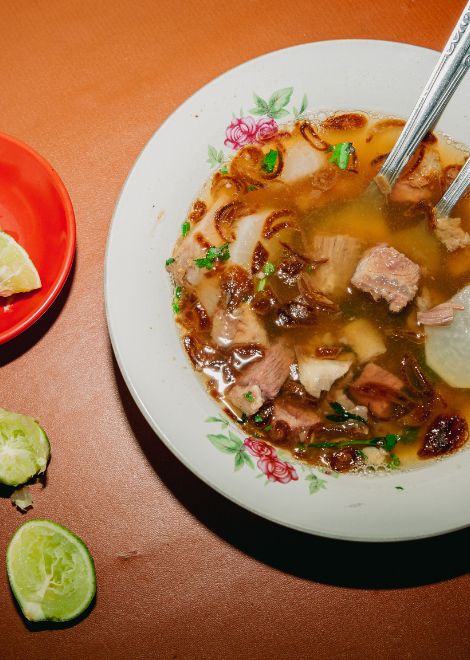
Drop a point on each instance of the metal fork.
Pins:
(448, 72)
(454, 192)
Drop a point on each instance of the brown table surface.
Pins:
(182, 573)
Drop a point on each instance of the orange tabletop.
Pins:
(182, 573)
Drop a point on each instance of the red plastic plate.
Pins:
(35, 209)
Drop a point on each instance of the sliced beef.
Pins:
(451, 234)
(264, 378)
(440, 315)
(242, 326)
(340, 254)
(386, 273)
(378, 389)
(296, 415)
(422, 179)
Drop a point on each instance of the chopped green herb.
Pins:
(185, 227)
(268, 427)
(243, 419)
(213, 254)
(224, 170)
(388, 442)
(269, 268)
(309, 268)
(258, 418)
(176, 308)
(261, 284)
(169, 261)
(249, 396)
(409, 435)
(341, 154)
(178, 292)
(399, 488)
(250, 188)
(269, 161)
(394, 462)
(342, 415)
(361, 454)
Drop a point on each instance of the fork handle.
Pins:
(448, 72)
(454, 192)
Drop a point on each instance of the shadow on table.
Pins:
(339, 563)
(30, 337)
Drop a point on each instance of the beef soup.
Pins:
(320, 315)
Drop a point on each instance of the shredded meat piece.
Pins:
(446, 434)
(242, 326)
(386, 273)
(451, 234)
(263, 378)
(421, 179)
(236, 286)
(296, 416)
(340, 254)
(378, 389)
(440, 315)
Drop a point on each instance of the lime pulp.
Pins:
(24, 448)
(51, 571)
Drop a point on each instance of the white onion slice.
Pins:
(448, 347)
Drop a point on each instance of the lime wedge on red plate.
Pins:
(18, 274)
(51, 571)
(24, 448)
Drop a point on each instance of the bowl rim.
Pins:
(70, 247)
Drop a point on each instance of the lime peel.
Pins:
(18, 274)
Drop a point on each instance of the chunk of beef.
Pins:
(451, 234)
(263, 378)
(341, 254)
(242, 326)
(318, 375)
(422, 179)
(386, 273)
(378, 389)
(442, 314)
(296, 415)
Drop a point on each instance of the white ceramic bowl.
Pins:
(360, 75)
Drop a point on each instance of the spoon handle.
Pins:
(454, 192)
(448, 72)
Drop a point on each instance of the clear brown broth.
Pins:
(345, 210)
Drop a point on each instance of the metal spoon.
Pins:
(454, 192)
(448, 72)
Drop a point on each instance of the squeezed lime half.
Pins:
(24, 448)
(51, 571)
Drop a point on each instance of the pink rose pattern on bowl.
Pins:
(260, 125)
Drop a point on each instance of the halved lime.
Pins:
(18, 274)
(51, 571)
(24, 448)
